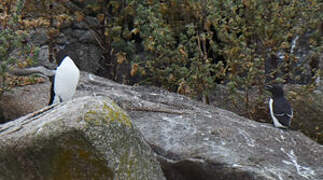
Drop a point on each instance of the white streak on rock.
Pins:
(303, 171)
(282, 137)
(250, 141)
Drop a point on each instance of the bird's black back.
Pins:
(52, 92)
(282, 110)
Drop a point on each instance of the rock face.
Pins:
(195, 141)
(23, 100)
(87, 138)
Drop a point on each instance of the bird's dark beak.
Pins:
(268, 87)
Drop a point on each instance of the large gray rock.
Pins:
(23, 100)
(87, 138)
(196, 141)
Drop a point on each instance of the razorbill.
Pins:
(65, 81)
(280, 109)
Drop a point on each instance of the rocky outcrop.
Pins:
(23, 100)
(87, 138)
(196, 141)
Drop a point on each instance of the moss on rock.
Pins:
(109, 114)
(87, 138)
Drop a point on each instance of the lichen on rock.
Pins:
(86, 138)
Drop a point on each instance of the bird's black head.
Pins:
(276, 90)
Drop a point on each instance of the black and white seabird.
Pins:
(280, 110)
(65, 81)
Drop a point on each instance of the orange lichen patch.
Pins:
(14, 81)
(108, 114)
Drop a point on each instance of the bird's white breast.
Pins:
(275, 120)
(66, 80)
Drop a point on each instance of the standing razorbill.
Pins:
(65, 81)
(280, 110)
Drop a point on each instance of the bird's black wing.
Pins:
(283, 111)
(52, 92)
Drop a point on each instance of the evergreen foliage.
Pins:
(14, 47)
